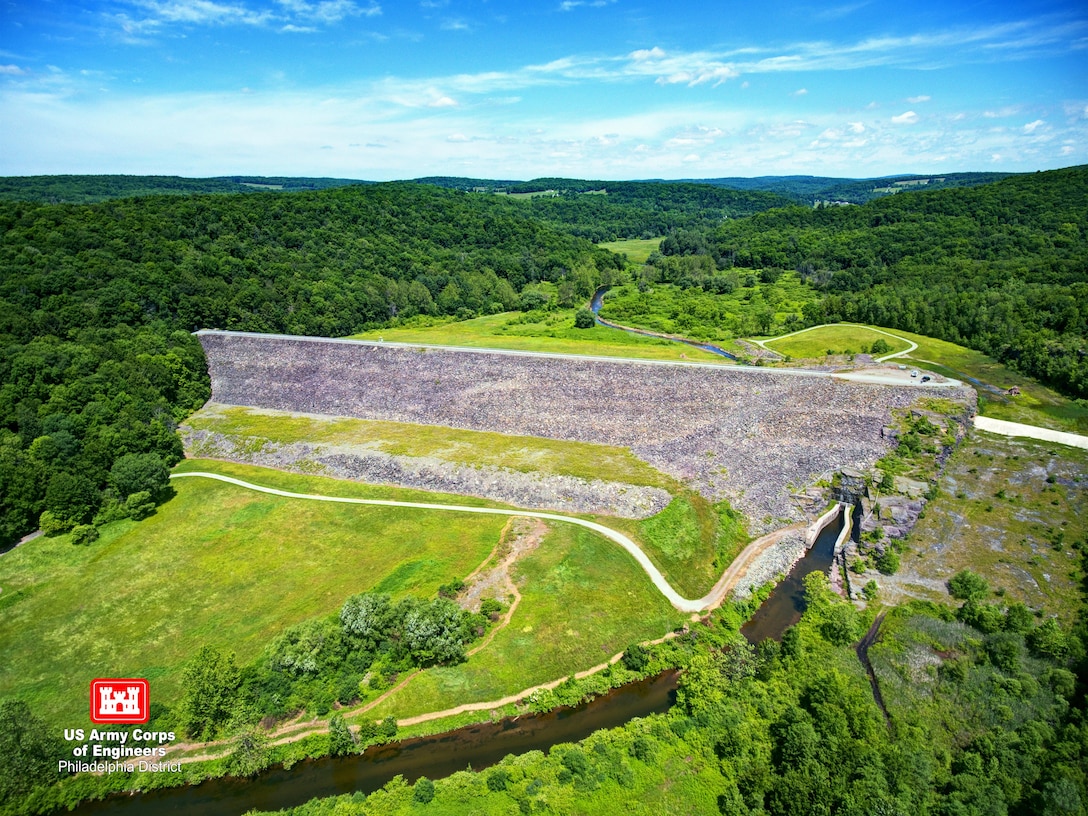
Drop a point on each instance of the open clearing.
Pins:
(637, 250)
(838, 339)
(543, 331)
(147, 596)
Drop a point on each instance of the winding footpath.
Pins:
(710, 600)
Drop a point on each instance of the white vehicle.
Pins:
(914, 373)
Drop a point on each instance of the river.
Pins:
(478, 746)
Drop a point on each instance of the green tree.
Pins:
(139, 472)
(251, 754)
(966, 585)
(423, 791)
(209, 691)
(341, 740)
(583, 319)
(29, 750)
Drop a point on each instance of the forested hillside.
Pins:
(97, 302)
(610, 210)
(811, 189)
(91, 189)
(1002, 268)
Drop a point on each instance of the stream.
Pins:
(595, 307)
(478, 746)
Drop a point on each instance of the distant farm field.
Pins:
(637, 250)
(838, 339)
(544, 332)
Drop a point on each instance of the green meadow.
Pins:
(637, 250)
(146, 596)
(540, 331)
(841, 338)
(583, 601)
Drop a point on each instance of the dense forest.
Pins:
(92, 189)
(813, 189)
(97, 302)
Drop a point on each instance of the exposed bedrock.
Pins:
(746, 436)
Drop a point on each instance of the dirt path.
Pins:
(863, 656)
(682, 604)
(514, 541)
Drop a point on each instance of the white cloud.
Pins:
(856, 127)
(692, 157)
(800, 92)
(916, 100)
(908, 118)
(442, 102)
(647, 54)
(1031, 127)
(11, 70)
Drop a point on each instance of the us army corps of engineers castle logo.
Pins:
(119, 700)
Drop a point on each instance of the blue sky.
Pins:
(609, 89)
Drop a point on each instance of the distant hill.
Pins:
(92, 189)
(811, 189)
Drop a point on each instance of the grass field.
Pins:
(582, 602)
(225, 566)
(216, 564)
(1036, 404)
(524, 453)
(842, 338)
(637, 250)
(542, 331)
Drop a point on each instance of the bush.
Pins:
(83, 534)
(636, 658)
(887, 562)
(966, 585)
(341, 741)
(584, 319)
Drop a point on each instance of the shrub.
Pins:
(966, 585)
(83, 534)
(583, 319)
(887, 562)
(423, 790)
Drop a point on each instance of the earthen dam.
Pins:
(751, 436)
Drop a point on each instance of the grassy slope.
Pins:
(999, 516)
(637, 250)
(145, 597)
(524, 453)
(582, 601)
(550, 332)
(683, 541)
(839, 339)
(1036, 405)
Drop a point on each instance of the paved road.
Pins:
(1005, 428)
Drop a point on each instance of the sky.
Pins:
(596, 89)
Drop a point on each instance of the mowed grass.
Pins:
(219, 565)
(637, 250)
(1035, 405)
(842, 338)
(529, 454)
(552, 332)
(582, 602)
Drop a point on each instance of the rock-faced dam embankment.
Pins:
(747, 436)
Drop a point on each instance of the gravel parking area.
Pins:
(747, 436)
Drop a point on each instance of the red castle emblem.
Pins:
(119, 700)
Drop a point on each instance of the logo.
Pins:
(119, 700)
